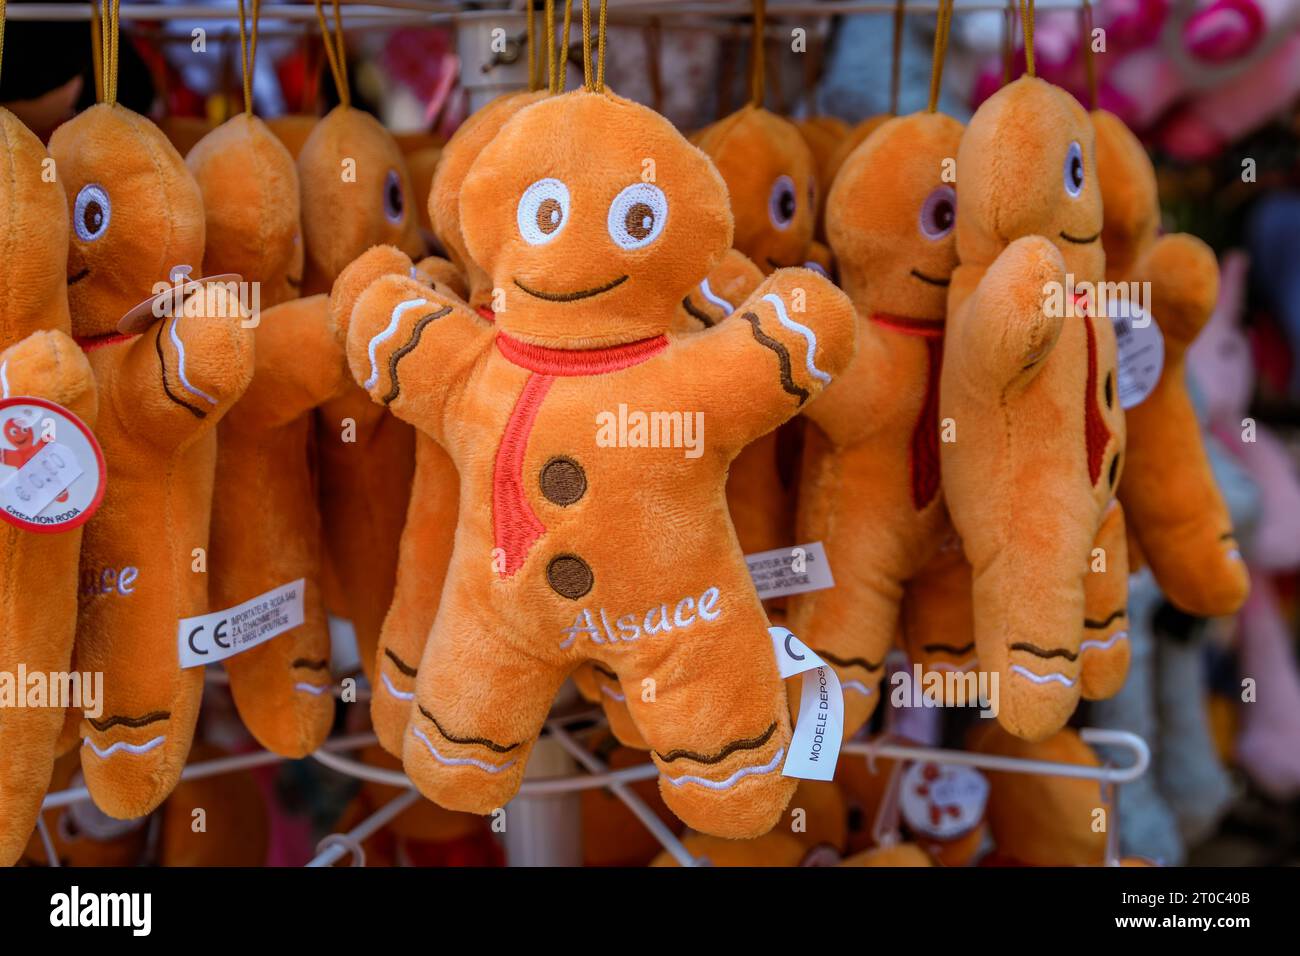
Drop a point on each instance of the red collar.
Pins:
(89, 343)
(549, 361)
(930, 328)
(486, 314)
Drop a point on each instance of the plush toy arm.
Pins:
(185, 371)
(785, 344)
(299, 363)
(729, 284)
(442, 272)
(406, 342)
(1184, 277)
(1007, 325)
(49, 365)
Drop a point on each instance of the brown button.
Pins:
(569, 576)
(563, 481)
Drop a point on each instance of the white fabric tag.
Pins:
(790, 570)
(34, 486)
(1141, 351)
(221, 634)
(815, 746)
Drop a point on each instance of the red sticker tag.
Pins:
(52, 473)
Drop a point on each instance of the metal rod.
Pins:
(649, 819)
(332, 849)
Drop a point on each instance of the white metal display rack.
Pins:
(335, 847)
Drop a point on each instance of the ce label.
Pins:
(218, 637)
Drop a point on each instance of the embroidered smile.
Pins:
(930, 280)
(73, 280)
(1080, 241)
(572, 296)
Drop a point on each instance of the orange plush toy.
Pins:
(38, 572)
(1173, 507)
(426, 540)
(870, 488)
(1029, 381)
(265, 524)
(163, 383)
(356, 193)
(553, 560)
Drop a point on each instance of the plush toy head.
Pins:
(896, 246)
(851, 140)
(1129, 194)
(356, 193)
(124, 180)
(250, 195)
(458, 158)
(593, 231)
(768, 170)
(1028, 169)
(32, 283)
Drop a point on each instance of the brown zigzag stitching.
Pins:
(1043, 652)
(1097, 625)
(695, 312)
(862, 662)
(787, 377)
(400, 664)
(483, 741)
(111, 722)
(750, 744)
(162, 365)
(408, 347)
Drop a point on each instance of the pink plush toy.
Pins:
(1220, 360)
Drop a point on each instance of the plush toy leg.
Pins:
(38, 596)
(719, 733)
(938, 631)
(599, 685)
(266, 533)
(1189, 773)
(480, 702)
(1147, 825)
(426, 546)
(1269, 745)
(366, 474)
(1105, 648)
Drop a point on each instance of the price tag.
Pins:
(52, 474)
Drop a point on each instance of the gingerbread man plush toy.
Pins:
(1029, 381)
(38, 572)
(165, 377)
(870, 483)
(576, 541)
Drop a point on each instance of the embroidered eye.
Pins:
(782, 203)
(543, 210)
(1074, 170)
(939, 213)
(637, 215)
(394, 201)
(91, 212)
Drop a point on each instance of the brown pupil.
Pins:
(92, 217)
(549, 215)
(640, 219)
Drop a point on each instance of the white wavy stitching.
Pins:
(1103, 645)
(143, 748)
(461, 761)
(733, 779)
(858, 687)
(389, 331)
(4, 379)
(316, 689)
(180, 364)
(613, 693)
(1042, 678)
(803, 330)
(726, 307)
(399, 694)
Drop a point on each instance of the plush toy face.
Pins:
(897, 246)
(458, 157)
(768, 169)
(136, 213)
(356, 193)
(1130, 199)
(35, 253)
(250, 195)
(564, 219)
(1029, 168)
